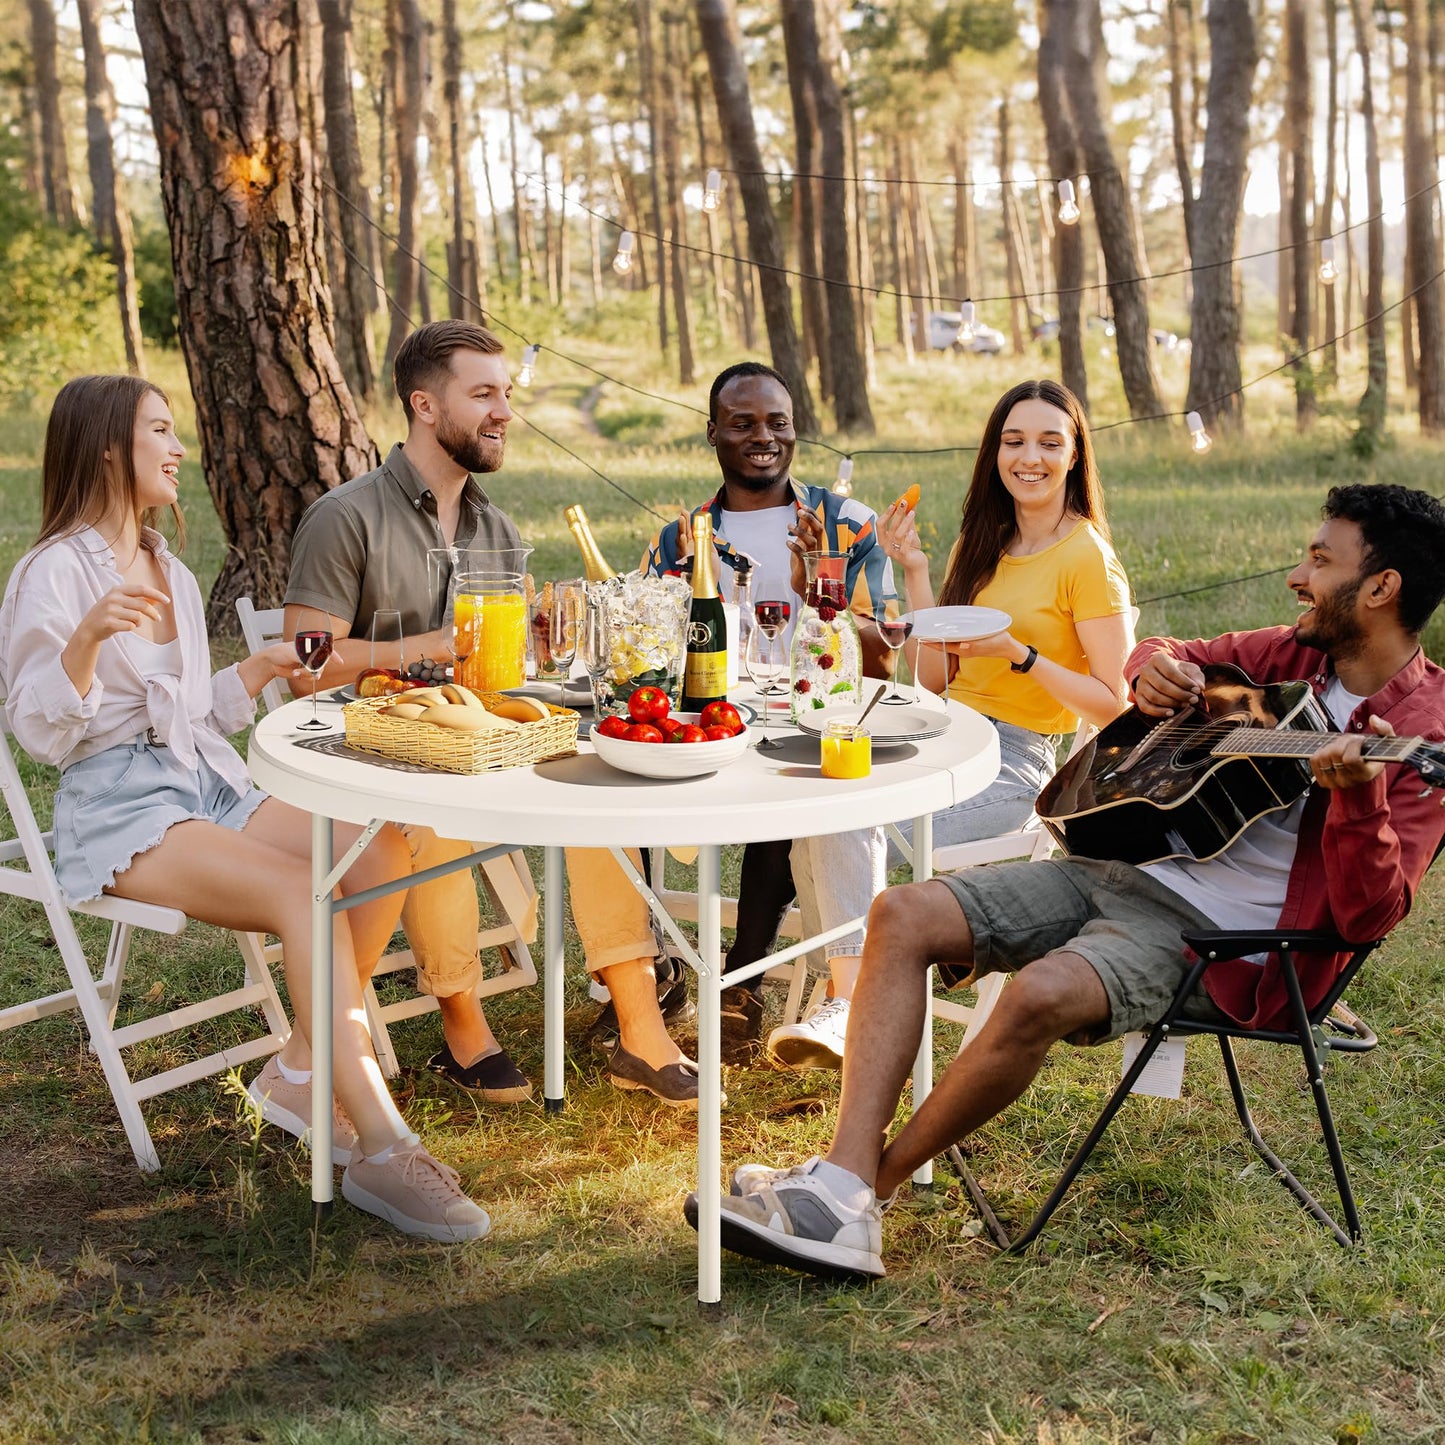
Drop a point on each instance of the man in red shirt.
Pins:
(1095, 946)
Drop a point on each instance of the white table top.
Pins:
(581, 801)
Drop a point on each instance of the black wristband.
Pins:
(1027, 663)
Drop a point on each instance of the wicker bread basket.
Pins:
(452, 751)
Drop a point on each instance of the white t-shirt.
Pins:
(763, 536)
(1244, 887)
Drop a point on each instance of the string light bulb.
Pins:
(1068, 206)
(710, 189)
(965, 323)
(843, 487)
(1328, 270)
(529, 360)
(1199, 440)
(622, 261)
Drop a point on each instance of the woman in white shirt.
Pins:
(105, 668)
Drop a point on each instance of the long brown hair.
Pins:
(93, 415)
(989, 522)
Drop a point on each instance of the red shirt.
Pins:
(1362, 851)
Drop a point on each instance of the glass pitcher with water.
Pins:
(827, 656)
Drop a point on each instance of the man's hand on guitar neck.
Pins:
(1164, 685)
(1341, 763)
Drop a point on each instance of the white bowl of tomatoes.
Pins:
(655, 742)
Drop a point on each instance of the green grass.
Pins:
(1179, 1295)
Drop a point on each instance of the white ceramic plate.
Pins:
(670, 760)
(958, 624)
(892, 727)
(577, 694)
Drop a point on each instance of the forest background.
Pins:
(253, 202)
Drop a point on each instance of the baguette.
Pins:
(463, 719)
(407, 711)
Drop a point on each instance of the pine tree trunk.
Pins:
(1298, 103)
(846, 363)
(800, 43)
(1081, 26)
(670, 109)
(962, 215)
(230, 101)
(1064, 160)
(717, 274)
(1372, 403)
(466, 298)
(1214, 319)
(1180, 131)
(1420, 222)
(892, 200)
(406, 112)
(859, 222)
(60, 204)
(1325, 223)
(352, 291)
(497, 249)
(521, 215)
(717, 22)
(647, 78)
(746, 304)
(110, 214)
(1013, 273)
(917, 264)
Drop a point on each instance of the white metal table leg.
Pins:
(554, 957)
(709, 1067)
(923, 1064)
(322, 920)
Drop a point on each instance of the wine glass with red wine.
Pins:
(895, 631)
(771, 615)
(313, 652)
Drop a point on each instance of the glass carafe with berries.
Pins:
(827, 657)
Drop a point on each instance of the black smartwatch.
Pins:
(1027, 663)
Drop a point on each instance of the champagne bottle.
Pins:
(706, 677)
(594, 564)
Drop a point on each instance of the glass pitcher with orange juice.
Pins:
(491, 615)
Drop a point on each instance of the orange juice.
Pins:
(847, 751)
(500, 660)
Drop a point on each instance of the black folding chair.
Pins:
(1328, 1027)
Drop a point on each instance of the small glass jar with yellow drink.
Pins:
(847, 749)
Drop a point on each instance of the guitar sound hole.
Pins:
(1196, 748)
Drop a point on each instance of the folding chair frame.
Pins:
(1350, 1035)
(26, 872)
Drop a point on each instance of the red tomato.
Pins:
(670, 727)
(643, 733)
(718, 734)
(648, 705)
(688, 733)
(722, 715)
(613, 727)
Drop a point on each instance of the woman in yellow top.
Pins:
(1035, 544)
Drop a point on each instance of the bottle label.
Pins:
(706, 675)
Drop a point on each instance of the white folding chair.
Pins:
(507, 879)
(26, 872)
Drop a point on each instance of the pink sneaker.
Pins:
(288, 1106)
(415, 1192)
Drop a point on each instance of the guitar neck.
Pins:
(1256, 742)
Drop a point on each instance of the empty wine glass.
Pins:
(895, 631)
(564, 628)
(313, 651)
(595, 649)
(764, 670)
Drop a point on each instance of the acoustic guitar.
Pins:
(1187, 786)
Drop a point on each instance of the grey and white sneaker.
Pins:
(816, 1040)
(748, 1177)
(791, 1217)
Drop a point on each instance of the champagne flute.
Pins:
(895, 631)
(313, 651)
(764, 670)
(595, 650)
(771, 615)
(564, 626)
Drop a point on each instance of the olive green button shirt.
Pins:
(364, 544)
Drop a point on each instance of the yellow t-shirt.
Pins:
(1074, 580)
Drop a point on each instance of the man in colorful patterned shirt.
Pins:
(762, 512)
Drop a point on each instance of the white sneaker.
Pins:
(794, 1219)
(288, 1106)
(816, 1040)
(416, 1192)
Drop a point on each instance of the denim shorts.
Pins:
(1026, 761)
(117, 804)
(1124, 923)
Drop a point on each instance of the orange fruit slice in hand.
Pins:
(911, 497)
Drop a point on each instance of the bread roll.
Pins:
(461, 718)
(408, 711)
(427, 696)
(521, 709)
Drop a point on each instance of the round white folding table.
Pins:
(580, 801)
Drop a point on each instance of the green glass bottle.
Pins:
(705, 679)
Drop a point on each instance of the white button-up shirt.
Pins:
(48, 593)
